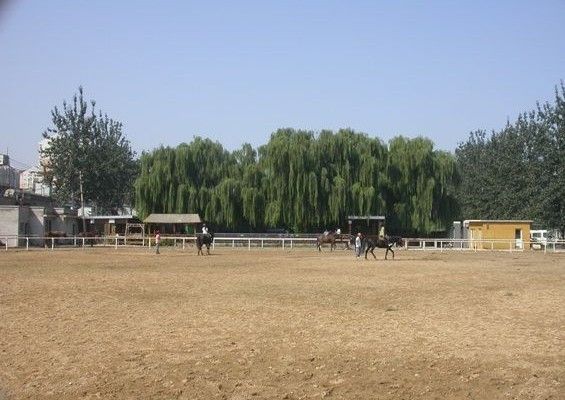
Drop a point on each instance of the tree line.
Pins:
(303, 182)
(519, 171)
(308, 181)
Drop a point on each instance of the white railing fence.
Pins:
(261, 242)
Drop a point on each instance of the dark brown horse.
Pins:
(332, 238)
(204, 239)
(51, 237)
(326, 237)
(89, 237)
(382, 243)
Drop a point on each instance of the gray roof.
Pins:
(173, 219)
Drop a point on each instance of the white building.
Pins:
(31, 180)
(17, 221)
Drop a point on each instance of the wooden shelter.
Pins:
(369, 225)
(173, 224)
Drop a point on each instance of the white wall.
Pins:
(9, 223)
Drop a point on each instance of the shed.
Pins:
(108, 225)
(504, 234)
(173, 223)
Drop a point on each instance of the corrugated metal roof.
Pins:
(173, 219)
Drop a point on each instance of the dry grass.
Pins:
(281, 325)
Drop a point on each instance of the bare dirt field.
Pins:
(276, 324)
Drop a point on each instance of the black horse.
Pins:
(382, 243)
(204, 239)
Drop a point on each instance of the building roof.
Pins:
(173, 219)
(107, 216)
(366, 217)
(504, 221)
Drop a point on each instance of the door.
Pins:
(518, 238)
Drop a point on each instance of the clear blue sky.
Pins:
(235, 71)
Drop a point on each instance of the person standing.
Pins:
(358, 245)
(157, 241)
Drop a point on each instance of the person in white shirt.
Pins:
(204, 229)
(358, 245)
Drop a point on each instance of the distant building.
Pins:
(493, 234)
(9, 176)
(31, 180)
(35, 222)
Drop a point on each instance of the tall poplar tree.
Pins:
(88, 145)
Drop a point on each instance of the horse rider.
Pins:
(382, 232)
(204, 229)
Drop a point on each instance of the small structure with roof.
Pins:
(173, 224)
(369, 225)
(496, 234)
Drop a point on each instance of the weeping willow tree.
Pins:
(419, 193)
(301, 181)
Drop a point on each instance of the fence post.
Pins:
(249, 244)
(214, 244)
(261, 243)
(283, 243)
(233, 243)
(116, 244)
(183, 242)
(291, 243)
(6, 243)
(27, 243)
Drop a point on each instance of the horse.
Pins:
(326, 237)
(382, 243)
(53, 235)
(89, 237)
(204, 239)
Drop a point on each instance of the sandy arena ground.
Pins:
(276, 324)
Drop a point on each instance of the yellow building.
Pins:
(497, 234)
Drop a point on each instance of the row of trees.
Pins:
(519, 171)
(303, 182)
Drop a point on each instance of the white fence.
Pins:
(252, 242)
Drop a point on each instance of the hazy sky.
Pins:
(235, 71)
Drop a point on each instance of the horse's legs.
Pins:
(392, 251)
(208, 249)
(374, 256)
(386, 253)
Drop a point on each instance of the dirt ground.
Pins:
(280, 324)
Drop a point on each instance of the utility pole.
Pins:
(82, 202)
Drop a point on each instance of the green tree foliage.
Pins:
(302, 182)
(518, 172)
(83, 141)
